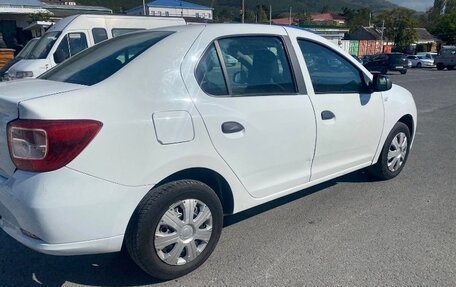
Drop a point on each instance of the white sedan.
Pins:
(150, 138)
(420, 61)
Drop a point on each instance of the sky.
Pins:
(419, 5)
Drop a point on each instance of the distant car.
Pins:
(427, 55)
(388, 62)
(420, 61)
(446, 58)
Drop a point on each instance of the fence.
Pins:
(363, 47)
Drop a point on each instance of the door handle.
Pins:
(327, 115)
(232, 127)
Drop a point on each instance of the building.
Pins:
(425, 41)
(366, 33)
(14, 16)
(17, 25)
(285, 21)
(328, 19)
(174, 8)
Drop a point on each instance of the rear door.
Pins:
(258, 116)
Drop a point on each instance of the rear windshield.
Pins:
(44, 45)
(397, 57)
(99, 62)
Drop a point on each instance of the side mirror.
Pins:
(381, 83)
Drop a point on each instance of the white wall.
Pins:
(180, 12)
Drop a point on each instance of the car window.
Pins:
(103, 60)
(44, 45)
(120, 31)
(257, 65)
(209, 74)
(329, 71)
(70, 45)
(99, 34)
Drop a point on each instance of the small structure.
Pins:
(425, 42)
(365, 33)
(174, 8)
(285, 21)
(331, 19)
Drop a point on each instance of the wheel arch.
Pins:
(210, 177)
(408, 121)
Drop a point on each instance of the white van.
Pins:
(74, 34)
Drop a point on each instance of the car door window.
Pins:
(257, 65)
(99, 34)
(209, 74)
(70, 45)
(329, 71)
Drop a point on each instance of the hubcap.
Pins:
(183, 232)
(397, 152)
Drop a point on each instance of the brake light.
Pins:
(46, 145)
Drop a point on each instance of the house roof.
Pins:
(34, 3)
(424, 36)
(284, 21)
(326, 17)
(177, 4)
(366, 33)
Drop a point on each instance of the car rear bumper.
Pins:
(66, 212)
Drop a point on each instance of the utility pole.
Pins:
(242, 11)
(290, 16)
(270, 14)
(144, 7)
(383, 27)
(370, 18)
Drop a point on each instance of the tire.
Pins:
(440, 66)
(418, 65)
(403, 72)
(450, 68)
(382, 169)
(167, 204)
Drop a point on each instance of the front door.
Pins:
(349, 118)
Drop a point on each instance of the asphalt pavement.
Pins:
(350, 231)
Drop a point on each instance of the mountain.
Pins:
(418, 5)
(278, 6)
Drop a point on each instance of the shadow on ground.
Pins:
(20, 266)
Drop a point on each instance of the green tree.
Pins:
(399, 27)
(262, 16)
(356, 18)
(224, 15)
(39, 17)
(325, 9)
(445, 28)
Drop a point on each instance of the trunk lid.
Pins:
(11, 94)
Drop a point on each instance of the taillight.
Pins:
(46, 145)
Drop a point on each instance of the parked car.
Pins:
(427, 55)
(22, 54)
(149, 139)
(446, 58)
(74, 34)
(388, 62)
(420, 61)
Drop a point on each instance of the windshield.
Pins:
(44, 45)
(99, 62)
(28, 48)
